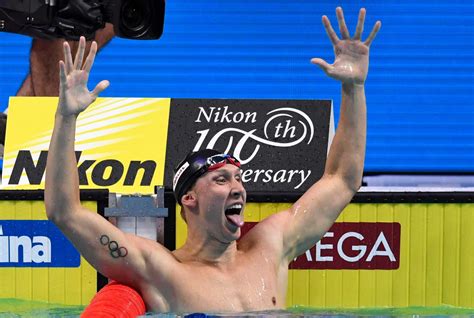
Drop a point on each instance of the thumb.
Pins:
(100, 88)
(322, 64)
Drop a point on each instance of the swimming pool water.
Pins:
(12, 308)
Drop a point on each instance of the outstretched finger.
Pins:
(80, 53)
(100, 88)
(360, 25)
(342, 24)
(374, 32)
(67, 57)
(90, 57)
(329, 30)
(62, 73)
(322, 64)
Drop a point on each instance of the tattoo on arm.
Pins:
(116, 251)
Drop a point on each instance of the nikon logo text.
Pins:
(103, 173)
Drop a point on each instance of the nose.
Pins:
(238, 189)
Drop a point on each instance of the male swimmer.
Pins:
(211, 272)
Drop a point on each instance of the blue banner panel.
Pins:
(35, 244)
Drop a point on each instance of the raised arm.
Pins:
(115, 254)
(314, 213)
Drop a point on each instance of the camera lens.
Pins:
(132, 16)
(135, 18)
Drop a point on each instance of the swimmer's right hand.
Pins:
(74, 96)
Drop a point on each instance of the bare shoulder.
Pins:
(267, 233)
(155, 280)
(152, 251)
(156, 258)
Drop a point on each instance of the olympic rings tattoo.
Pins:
(116, 251)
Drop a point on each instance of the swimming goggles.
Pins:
(217, 161)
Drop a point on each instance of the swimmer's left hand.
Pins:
(352, 55)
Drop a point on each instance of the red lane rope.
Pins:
(117, 301)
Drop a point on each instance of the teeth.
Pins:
(235, 206)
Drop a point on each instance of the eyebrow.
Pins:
(222, 172)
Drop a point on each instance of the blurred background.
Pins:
(420, 88)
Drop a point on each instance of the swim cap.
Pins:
(195, 165)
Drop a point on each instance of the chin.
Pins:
(237, 235)
(232, 236)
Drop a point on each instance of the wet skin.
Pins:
(234, 276)
(212, 272)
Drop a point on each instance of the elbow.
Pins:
(351, 183)
(354, 183)
(52, 211)
(350, 173)
(50, 205)
(59, 203)
(57, 211)
(355, 187)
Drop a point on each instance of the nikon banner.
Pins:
(282, 144)
(122, 144)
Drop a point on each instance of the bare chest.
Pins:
(247, 287)
(241, 291)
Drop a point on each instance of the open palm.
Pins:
(351, 62)
(74, 96)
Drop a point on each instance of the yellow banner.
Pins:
(120, 143)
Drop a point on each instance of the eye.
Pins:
(221, 180)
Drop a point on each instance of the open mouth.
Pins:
(232, 214)
(233, 209)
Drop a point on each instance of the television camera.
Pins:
(69, 19)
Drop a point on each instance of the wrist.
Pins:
(65, 117)
(353, 87)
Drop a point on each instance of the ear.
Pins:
(189, 199)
